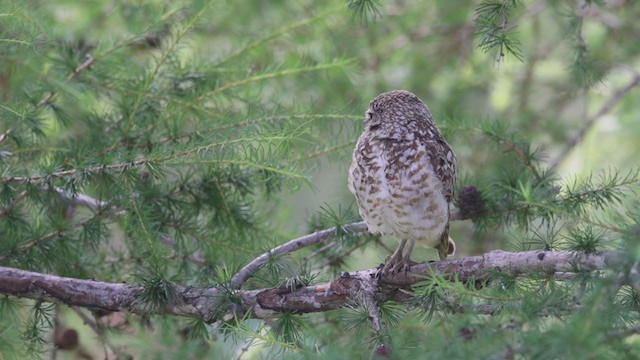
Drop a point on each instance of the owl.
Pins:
(402, 175)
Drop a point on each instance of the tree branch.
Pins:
(315, 238)
(588, 124)
(84, 200)
(88, 62)
(210, 305)
(115, 211)
(290, 246)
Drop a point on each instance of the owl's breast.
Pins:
(367, 181)
(397, 191)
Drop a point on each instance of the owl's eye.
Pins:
(368, 120)
(368, 115)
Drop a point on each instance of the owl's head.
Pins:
(395, 114)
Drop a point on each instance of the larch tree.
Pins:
(173, 179)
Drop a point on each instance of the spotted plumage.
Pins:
(403, 174)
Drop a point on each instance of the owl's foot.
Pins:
(395, 264)
(395, 267)
(399, 261)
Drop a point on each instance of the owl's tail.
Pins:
(452, 247)
(447, 246)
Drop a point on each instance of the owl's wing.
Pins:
(444, 163)
(443, 160)
(356, 172)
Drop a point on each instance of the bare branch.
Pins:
(86, 200)
(5, 135)
(374, 314)
(290, 246)
(624, 332)
(588, 124)
(633, 278)
(207, 303)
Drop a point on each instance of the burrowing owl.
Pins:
(402, 176)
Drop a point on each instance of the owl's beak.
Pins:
(374, 125)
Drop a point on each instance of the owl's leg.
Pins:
(406, 259)
(394, 259)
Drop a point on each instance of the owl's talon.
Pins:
(394, 267)
(408, 263)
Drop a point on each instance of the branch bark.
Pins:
(213, 304)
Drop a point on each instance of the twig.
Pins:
(509, 353)
(5, 135)
(336, 259)
(351, 250)
(290, 246)
(33, 243)
(633, 278)
(334, 244)
(377, 324)
(197, 257)
(133, 164)
(205, 303)
(322, 249)
(13, 204)
(374, 315)
(95, 204)
(73, 171)
(48, 97)
(86, 64)
(244, 349)
(527, 161)
(624, 332)
(494, 309)
(99, 330)
(86, 200)
(613, 100)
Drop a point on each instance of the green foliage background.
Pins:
(228, 127)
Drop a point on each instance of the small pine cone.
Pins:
(382, 351)
(66, 339)
(470, 202)
(467, 333)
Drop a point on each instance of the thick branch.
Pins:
(207, 303)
